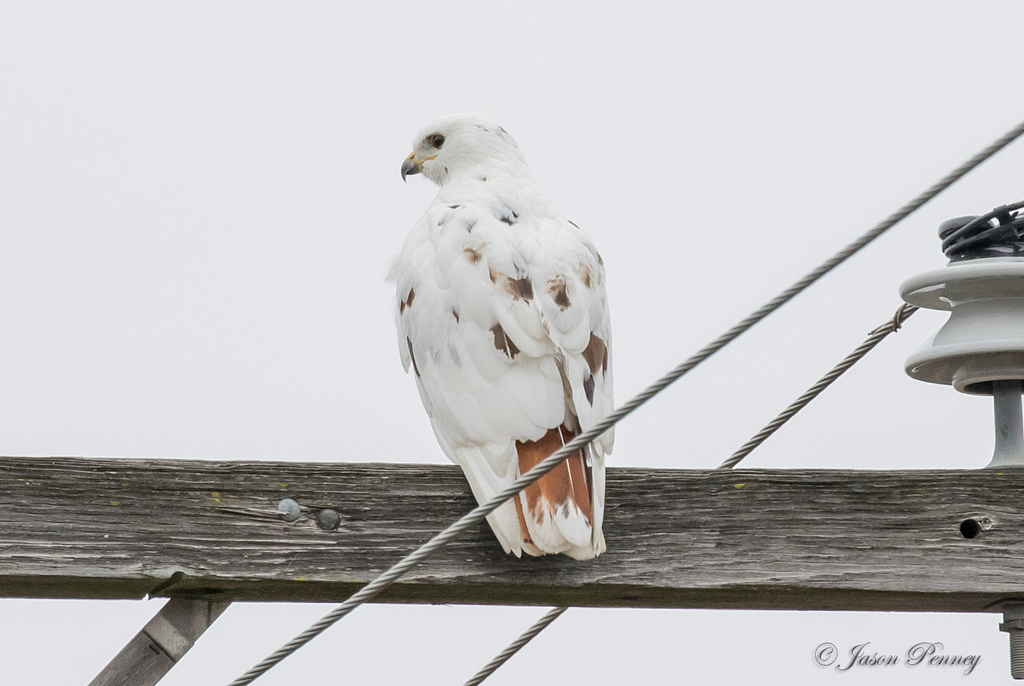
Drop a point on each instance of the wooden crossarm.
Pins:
(744, 539)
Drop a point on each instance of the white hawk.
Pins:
(502, 315)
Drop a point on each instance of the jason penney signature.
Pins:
(928, 654)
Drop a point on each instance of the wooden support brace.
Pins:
(161, 643)
(935, 541)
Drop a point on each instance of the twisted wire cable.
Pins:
(477, 515)
(877, 335)
(891, 326)
(781, 299)
(513, 648)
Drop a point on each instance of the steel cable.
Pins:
(890, 326)
(477, 515)
(513, 648)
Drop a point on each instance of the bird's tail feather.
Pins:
(556, 513)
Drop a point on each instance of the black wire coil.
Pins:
(999, 233)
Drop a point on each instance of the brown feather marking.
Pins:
(503, 343)
(588, 388)
(411, 356)
(472, 255)
(519, 288)
(493, 273)
(509, 218)
(558, 292)
(566, 482)
(585, 275)
(524, 531)
(456, 315)
(596, 354)
(402, 304)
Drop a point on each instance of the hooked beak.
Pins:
(411, 166)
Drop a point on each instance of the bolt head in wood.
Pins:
(328, 520)
(289, 510)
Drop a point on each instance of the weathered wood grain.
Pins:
(790, 539)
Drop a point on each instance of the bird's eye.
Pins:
(436, 140)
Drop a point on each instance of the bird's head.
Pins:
(459, 144)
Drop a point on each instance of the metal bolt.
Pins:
(1009, 450)
(289, 510)
(328, 520)
(1013, 624)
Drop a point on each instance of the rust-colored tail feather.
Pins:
(563, 492)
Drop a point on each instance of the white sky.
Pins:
(198, 202)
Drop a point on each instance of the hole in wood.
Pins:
(970, 528)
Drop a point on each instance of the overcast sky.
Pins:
(199, 200)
